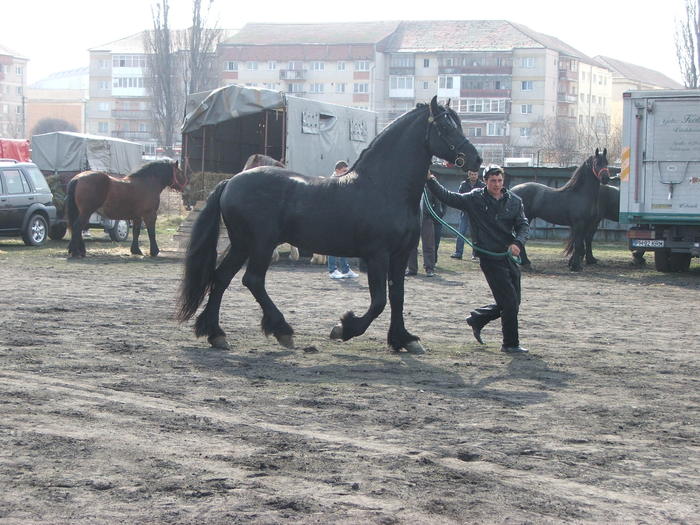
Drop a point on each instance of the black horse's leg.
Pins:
(588, 244)
(398, 336)
(273, 321)
(351, 326)
(151, 229)
(135, 250)
(208, 321)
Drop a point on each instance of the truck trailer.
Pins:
(660, 175)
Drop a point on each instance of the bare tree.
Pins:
(167, 94)
(557, 141)
(49, 125)
(200, 73)
(688, 44)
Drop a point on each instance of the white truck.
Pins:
(660, 175)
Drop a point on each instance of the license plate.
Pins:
(647, 243)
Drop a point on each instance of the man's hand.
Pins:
(430, 176)
(514, 249)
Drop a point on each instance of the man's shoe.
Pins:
(429, 273)
(476, 331)
(350, 275)
(456, 256)
(514, 349)
(336, 274)
(410, 273)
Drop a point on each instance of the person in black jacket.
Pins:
(470, 183)
(427, 238)
(499, 225)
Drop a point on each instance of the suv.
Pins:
(26, 202)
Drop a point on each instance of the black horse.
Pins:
(608, 208)
(575, 204)
(371, 212)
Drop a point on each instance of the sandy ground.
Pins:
(110, 412)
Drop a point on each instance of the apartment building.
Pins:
(13, 80)
(503, 79)
(627, 77)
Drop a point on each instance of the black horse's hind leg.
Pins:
(135, 250)
(208, 321)
(398, 337)
(351, 325)
(273, 321)
(588, 245)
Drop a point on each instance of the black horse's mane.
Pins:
(156, 168)
(383, 132)
(579, 175)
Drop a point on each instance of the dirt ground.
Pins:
(110, 412)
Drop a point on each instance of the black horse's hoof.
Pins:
(286, 340)
(415, 348)
(219, 342)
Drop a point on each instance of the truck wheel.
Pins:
(679, 262)
(57, 231)
(120, 232)
(36, 231)
(662, 260)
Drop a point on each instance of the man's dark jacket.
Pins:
(497, 223)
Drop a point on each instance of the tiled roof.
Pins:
(552, 42)
(4, 50)
(332, 33)
(134, 44)
(638, 73)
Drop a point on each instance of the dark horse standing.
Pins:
(372, 212)
(575, 204)
(134, 197)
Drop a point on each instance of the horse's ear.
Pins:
(434, 110)
(605, 152)
(448, 103)
(596, 152)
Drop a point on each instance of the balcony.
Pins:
(293, 74)
(484, 93)
(131, 114)
(402, 71)
(568, 99)
(132, 135)
(566, 74)
(475, 70)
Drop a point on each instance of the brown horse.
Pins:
(134, 197)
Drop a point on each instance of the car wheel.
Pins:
(58, 231)
(36, 231)
(120, 232)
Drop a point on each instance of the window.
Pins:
(295, 65)
(445, 82)
(474, 132)
(128, 61)
(527, 62)
(526, 109)
(401, 60)
(103, 106)
(426, 85)
(271, 65)
(495, 129)
(426, 62)
(526, 85)
(37, 179)
(316, 88)
(362, 65)
(18, 110)
(448, 62)
(396, 82)
(295, 88)
(15, 183)
(341, 66)
(19, 70)
(231, 66)
(524, 132)
(271, 85)
(104, 84)
(19, 90)
(128, 82)
(360, 87)
(104, 64)
(340, 87)
(143, 128)
(317, 66)
(252, 66)
(582, 97)
(103, 127)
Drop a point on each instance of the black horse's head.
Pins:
(599, 165)
(447, 141)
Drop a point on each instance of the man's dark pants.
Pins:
(503, 277)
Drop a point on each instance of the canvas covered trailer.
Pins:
(225, 126)
(61, 155)
(15, 149)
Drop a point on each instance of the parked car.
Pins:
(26, 202)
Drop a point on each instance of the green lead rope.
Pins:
(426, 203)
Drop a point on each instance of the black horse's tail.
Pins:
(569, 249)
(71, 207)
(200, 261)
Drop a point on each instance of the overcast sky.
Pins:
(56, 34)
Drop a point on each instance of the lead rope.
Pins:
(435, 216)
